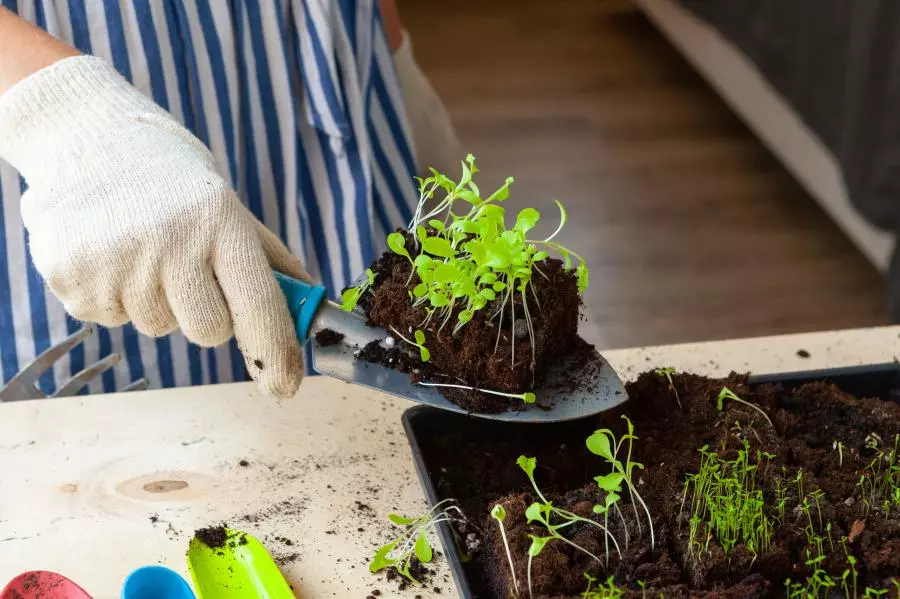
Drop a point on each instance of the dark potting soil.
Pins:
(417, 569)
(216, 537)
(479, 471)
(327, 337)
(481, 354)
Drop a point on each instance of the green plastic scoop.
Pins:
(240, 569)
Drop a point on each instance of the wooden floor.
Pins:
(691, 228)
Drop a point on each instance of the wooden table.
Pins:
(94, 487)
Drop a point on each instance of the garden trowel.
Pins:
(568, 393)
(240, 569)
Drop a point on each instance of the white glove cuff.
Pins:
(52, 117)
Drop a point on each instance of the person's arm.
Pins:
(25, 49)
(129, 219)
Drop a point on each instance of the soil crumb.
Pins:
(327, 337)
(213, 537)
(416, 569)
(243, 463)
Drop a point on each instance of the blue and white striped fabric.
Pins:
(299, 102)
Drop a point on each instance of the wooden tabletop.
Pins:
(93, 487)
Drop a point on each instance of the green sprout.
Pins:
(527, 397)
(350, 297)
(498, 513)
(412, 540)
(554, 520)
(667, 372)
(467, 260)
(727, 393)
(727, 504)
(839, 447)
(419, 342)
(603, 443)
(601, 591)
(819, 584)
(879, 484)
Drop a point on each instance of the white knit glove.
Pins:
(130, 221)
(434, 137)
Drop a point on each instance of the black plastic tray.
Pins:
(423, 424)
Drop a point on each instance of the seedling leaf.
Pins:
(380, 560)
(537, 545)
(527, 219)
(400, 520)
(423, 549)
(498, 513)
(397, 243)
(438, 246)
(527, 464)
(611, 482)
(598, 443)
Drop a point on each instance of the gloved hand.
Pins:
(129, 220)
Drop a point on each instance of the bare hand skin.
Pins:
(25, 49)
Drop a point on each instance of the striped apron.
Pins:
(300, 104)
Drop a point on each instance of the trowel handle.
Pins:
(303, 302)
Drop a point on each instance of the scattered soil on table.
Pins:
(327, 337)
(243, 463)
(481, 354)
(418, 570)
(477, 467)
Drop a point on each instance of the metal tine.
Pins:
(74, 384)
(138, 385)
(31, 373)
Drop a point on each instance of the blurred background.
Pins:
(705, 204)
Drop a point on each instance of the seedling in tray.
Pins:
(879, 484)
(727, 393)
(727, 504)
(667, 372)
(598, 590)
(498, 513)
(554, 520)
(603, 443)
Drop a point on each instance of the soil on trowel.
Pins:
(489, 352)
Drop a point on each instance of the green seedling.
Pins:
(498, 513)
(879, 484)
(727, 503)
(527, 397)
(603, 443)
(820, 584)
(467, 259)
(553, 519)
(780, 497)
(839, 447)
(667, 372)
(596, 590)
(727, 393)
(419, 342)
(350, 297)
(412, 540)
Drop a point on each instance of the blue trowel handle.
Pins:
(303, 302)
